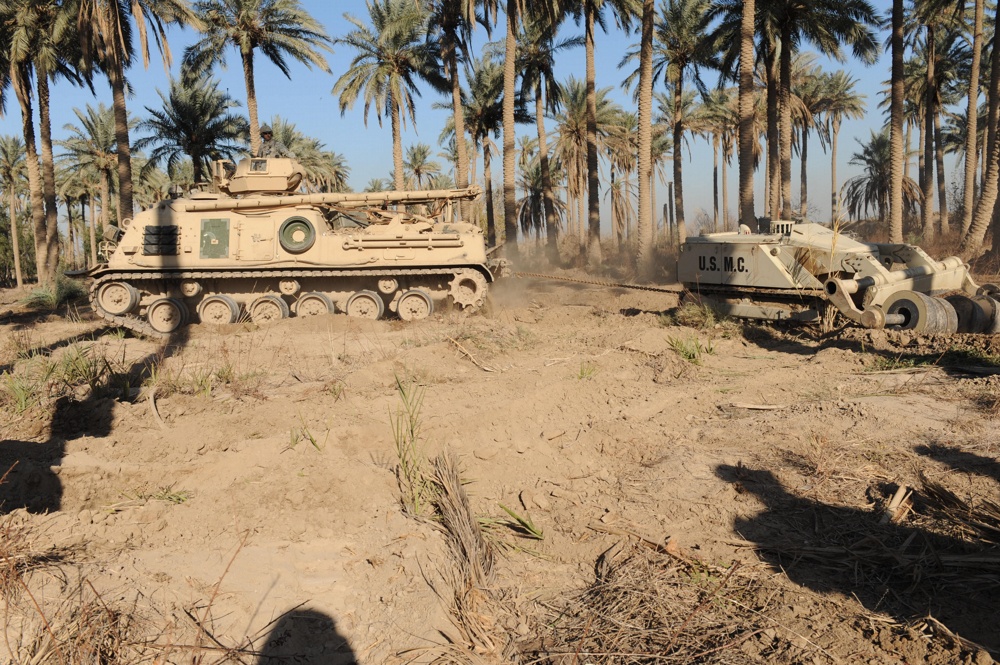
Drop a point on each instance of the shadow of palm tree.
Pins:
(906, 571)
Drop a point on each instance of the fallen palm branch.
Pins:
(647, 605)
(980, 520)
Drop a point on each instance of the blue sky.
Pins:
(306, 101)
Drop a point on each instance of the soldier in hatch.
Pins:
(269, 147)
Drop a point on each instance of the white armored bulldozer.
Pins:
(808, 272)
(256, 248)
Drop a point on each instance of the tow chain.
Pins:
(594, 282)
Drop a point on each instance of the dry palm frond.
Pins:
(646, 606)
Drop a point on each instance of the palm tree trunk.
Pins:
(449, 55)
(593, 182)
(509, 131)
(942, 185)
(20, 82)
(715, 183)
(548, 199)
(986, 208)
(785, 119)
(678, 143)
(48, 179)
(803, 176)
(725, 188)
(773, 137)
(93, 232)
(907, 143)
(833, 174)
(397, 147)
(491, 223)
(896, 127)
(746, 103)
(644, 230)
(15, 238)
(71, 233)
(929, 113)
(972, 120)
(123, 146)
(581, 212)
(248, 81)
(105, 198)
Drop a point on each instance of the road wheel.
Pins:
(219, 310)
(268, 309)
(313, 304)
(117, 298)
(166, 315)
(365, 305)
(414, 305)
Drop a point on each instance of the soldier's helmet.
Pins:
(266, 129)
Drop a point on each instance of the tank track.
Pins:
(141, 326)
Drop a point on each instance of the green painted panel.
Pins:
(215, 238)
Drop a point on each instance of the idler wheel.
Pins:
(468, 288)
(365, 305)
(166, 315)
(117, 298)
(268, 309)
(920, 313)
(414, 305)
(313, 304)
(219, 310)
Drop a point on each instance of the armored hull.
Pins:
(256, 249)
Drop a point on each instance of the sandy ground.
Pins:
(256, 494)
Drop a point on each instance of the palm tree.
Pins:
(869, 191)
(452, 22)
(418, 166)
(644, 230)
(106, 37)
(593, 14)
(391, 55)
(985, 208)
(325, 171)
(376, 185)
(512, 11)
(35, 35)
(738, 21)
(280, 29)
(683, 48)
(808, 85)
(482, 109)
(531, 213)
(972, 116)
(194, 122)
(717, 118)
(622, 143)
(827, 24)
(840, 102)
(13, 172)
(572, 145)
(91, 149)
(536, 62)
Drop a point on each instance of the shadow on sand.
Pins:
(308, 637)
(904, 570)
(31, 482)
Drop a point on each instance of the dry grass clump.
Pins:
(649, 605)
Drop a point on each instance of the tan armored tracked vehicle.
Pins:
(807, 272)
(255, 248)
